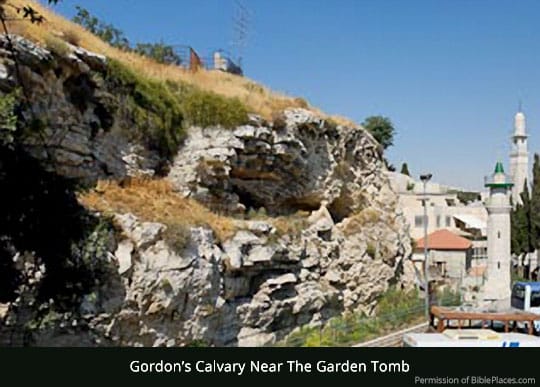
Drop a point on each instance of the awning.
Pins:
(472, 221)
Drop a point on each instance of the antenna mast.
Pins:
(241, 21)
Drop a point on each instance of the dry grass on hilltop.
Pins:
(154, 200)
(256, 97)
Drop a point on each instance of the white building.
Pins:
(444, 209)
(519, 157)
(444, 212)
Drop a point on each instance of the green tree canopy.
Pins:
(527, 226)
(8, 118)
(381, 128)
(104, 31)
(535, 203)
(522, 228)
(160, 52)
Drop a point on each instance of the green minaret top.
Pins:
(499, 167)
(499, 178)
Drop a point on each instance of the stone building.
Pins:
(450, 255)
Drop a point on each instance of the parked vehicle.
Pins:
(526, 296)
(470, 338)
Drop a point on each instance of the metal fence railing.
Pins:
(354, 329)
(215, 60)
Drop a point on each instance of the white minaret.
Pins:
(497, 286)
(519, 157)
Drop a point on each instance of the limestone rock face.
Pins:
(79, 126)
(254, 288)
(297, 163)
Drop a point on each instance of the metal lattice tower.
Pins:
(241, 24)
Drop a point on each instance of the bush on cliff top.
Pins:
(162, 110)
(204, 108)
(157, 112)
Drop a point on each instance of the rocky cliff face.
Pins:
(78, 123)
(343, 243)
(297, 163)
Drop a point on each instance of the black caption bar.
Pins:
(403, 366)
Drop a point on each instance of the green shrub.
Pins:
(396, 305)
(301, 102)
(331, 123)
(254, 88)
(156, 111)
(371, 250)
(162, 110)
(466, 197)
(202, 108)
(395, 308)
(448, 297)
(176, 236)
(306, 336)
(72, 37)
(8, 118)
(57, 46)
(199, 343)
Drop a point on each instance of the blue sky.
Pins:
(449, 73)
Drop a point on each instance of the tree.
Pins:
(528, 229)
(27, 12)
(516, 217)
(466, 197)
(405, 169)
(389, 165)
(160, 52)
(535, 203)
(104, 31)
(381, 128)
(523, 230)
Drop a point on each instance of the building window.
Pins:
(499, 234)
(448, 221)
(535, 299)
(479, 253)
(438, 220)
(418, 221)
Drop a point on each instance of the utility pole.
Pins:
(425, 178)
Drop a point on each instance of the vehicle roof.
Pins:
(437, 337)
(441, 340)
(535, 286)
